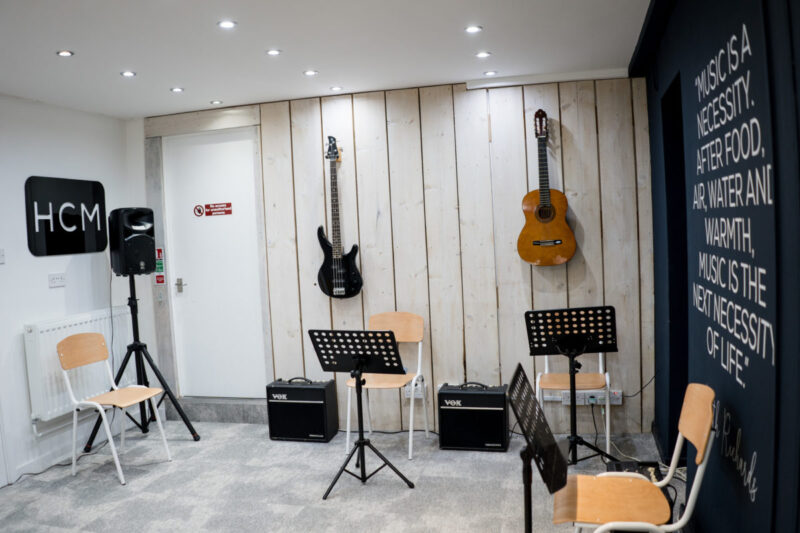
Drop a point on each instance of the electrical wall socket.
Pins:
(417, 391)
(57, 280)
(592, 397)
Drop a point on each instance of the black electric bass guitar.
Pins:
(338, 276)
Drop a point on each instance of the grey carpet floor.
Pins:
(236, 479)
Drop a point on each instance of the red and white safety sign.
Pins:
(159, 253)
(212, 210)
(161, 279)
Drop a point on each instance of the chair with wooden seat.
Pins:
(626, 501)
(87, 348)
(584, 381)
(407, 327)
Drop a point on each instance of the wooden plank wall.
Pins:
(430, 187)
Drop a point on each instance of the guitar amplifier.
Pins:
(301, 409)
(473, 416)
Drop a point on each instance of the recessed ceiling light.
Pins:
(310, 73)
(215, 102)
(473, 29)
(127, 74)
(226, 24)
(177, 89)
(483, 55)
(336, 88)
(490, 73)
(65, 53)
(273, 52)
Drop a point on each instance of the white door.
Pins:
(215, 262)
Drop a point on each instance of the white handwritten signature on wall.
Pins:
(730, 449)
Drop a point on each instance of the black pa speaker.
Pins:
(132, 241)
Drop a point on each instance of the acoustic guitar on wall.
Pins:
(546, 239)
(338, 276)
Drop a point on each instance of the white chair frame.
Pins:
(601, 363)
(691, 501)
(418, 380)
(101, 409)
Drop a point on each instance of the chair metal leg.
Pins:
(160, 427)
(411, 419)
(349, 408)
(74, 439)
(111, 445)
(608, 420)
(425, 405)
(122, 431)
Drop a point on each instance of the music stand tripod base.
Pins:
(374, 352)
(139, 350)
(573, 332)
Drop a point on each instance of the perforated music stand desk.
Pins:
(541, 447)
(374, 352)
(573, 332)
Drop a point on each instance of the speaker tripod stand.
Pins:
(140, 354)
(359, 351)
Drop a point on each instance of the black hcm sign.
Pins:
(65, 216)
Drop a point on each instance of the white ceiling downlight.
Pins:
(310, 73)
(490, 73)
(473, 29)
(273, 52)
(127, 74)
(177, 89)
(65, 53)
(227, 24)
(215, 102)
(483, 55)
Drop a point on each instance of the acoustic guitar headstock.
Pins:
(540, 124)
(334, 153)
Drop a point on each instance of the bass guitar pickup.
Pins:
(547, 243)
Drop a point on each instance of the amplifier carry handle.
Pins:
(473, 384)
(300, 378)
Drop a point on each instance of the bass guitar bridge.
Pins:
(547, 243)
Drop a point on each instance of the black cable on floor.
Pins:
(67, 463)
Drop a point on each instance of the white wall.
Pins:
(38, 139)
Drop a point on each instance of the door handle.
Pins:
(180, 284)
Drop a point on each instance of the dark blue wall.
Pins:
(753, 478)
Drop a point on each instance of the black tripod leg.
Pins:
(168, 392)
(141, 379)
(88, 447)
(390, 465)
(341, 470)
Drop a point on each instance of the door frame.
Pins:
(199, 409)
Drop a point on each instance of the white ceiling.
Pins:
(360, 45)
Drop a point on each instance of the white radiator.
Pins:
(48, 393)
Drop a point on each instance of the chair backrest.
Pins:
(697, 414)
(82, 349)
(407, 327)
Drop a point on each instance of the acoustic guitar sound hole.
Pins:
(545, 213)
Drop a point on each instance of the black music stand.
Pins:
(573, 332)
(541, 447)
(374, 352)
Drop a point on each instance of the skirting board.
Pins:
(240, 410)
